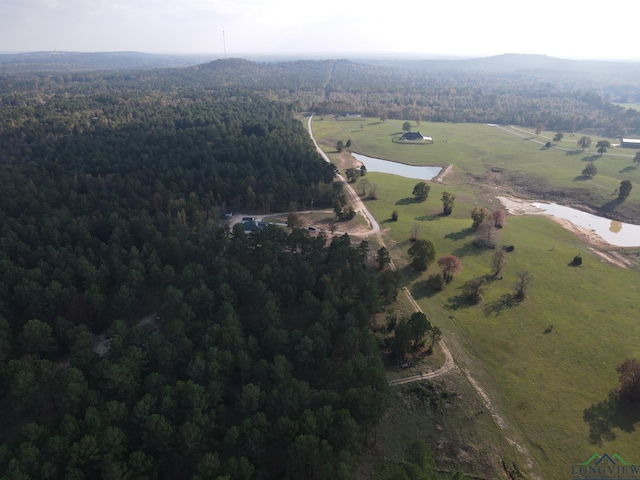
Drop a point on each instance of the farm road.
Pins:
(449, 363)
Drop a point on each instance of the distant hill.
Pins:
(516, 62)
(81, 62)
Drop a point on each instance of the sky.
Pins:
(325, 28)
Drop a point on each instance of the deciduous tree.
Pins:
(629, 387)
(421, 191)
(448, 201)
(451, 266)
(479, 215)
(602, 146)
(498, 262)
(558, 137)
(584, 142)
(523, 282)
(422, 254)
(590, 170)
(474, 289)
(294, 220)
(499, 218)
(406, 126)
(636, 159)
(486, 236)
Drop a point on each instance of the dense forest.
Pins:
(253, 358)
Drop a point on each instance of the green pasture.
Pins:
(541, 380)
(510, 156)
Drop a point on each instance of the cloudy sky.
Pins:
(560, 28)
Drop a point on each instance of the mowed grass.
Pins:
(513, 156)
(540, 382)
(543, 382)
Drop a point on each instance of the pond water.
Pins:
(395, 168)
(611, 231)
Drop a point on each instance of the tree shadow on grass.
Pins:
(457, 302)
(612, 413)
(628, 169)
(461, 235)
(467, 249)
(574, 152)
(591, 158)
(410, 274)
(428, 218)
(505, 302)
(423, 290)
(611, 204)
(581, 178)
(395, 134)
(406, 201)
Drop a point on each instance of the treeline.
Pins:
(561, 104)
(562, 101)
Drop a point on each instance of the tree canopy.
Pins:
(422, 253)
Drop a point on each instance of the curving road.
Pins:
(355, 198)
(375, 230)
(449, 364)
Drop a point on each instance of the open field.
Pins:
(511, 159)
(540, 378)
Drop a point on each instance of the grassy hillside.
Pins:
(509, 158)
(541, 380)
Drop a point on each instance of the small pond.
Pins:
(395, 168)
(611, 231)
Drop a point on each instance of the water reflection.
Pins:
(395, 168)
(616, 233)
(615, 226)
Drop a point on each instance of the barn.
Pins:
(630, 142)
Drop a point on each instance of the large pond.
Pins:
(395, 168)
(611, 231)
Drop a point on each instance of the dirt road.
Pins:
(449, 364)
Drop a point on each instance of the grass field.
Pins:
(542, 383)
(510, 157)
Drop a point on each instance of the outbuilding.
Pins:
(630, 142)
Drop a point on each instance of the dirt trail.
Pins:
(449, 363)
